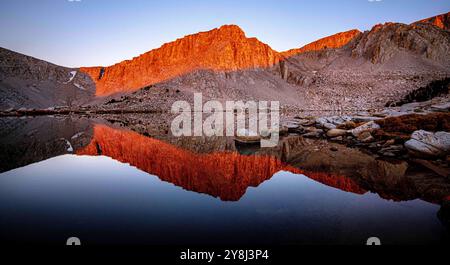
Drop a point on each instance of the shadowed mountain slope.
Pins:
(27, 82)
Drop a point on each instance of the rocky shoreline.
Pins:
(422, 138)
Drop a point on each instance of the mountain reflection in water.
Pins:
(214, 165)
(225, 174)
(299, 192)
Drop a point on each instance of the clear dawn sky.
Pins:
(103, 32)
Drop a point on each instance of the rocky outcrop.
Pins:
(223, 49)
(441, 21)
(385, 41)
(331, 42)
(429, 144)
(401, 124)
(377, 67)
(27, 82)
(367, 127)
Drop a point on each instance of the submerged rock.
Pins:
(429, 144)
(365, 137)
(317, 133)
(392, 151)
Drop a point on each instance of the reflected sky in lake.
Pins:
(103, 201)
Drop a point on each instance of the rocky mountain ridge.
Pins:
(27, 82)
(223, 49)
(384, 41)
(227, 49)
(347, 71)
(331, 42)
(376, 67)
(441, 21)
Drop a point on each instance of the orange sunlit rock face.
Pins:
(441, 21)
(331, 42)
(223, 49)
(225, 175)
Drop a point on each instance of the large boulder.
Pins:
(429, 144)
(331, 122)
(444, 107)
(336, 133)
(370, 126)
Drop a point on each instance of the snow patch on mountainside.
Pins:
(72, 76)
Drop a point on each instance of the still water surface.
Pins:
(119, 187)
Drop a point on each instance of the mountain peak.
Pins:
(232, 32)
(224, 49)
(231, 28)
(385, 41)
(221, 49)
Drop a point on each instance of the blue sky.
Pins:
(103, 32)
